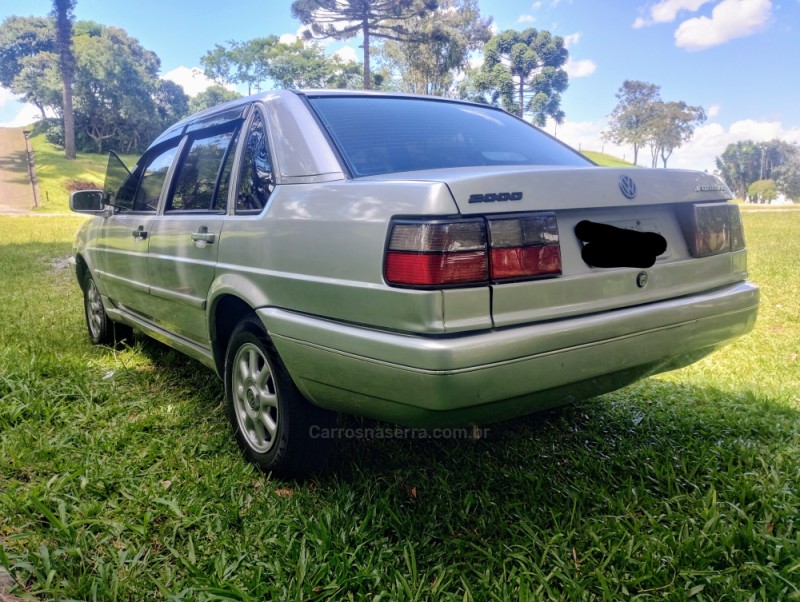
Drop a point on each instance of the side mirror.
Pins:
(86, 201)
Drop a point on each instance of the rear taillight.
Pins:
(453, 253)
(713, 228)
(524, 247)
(437, 253)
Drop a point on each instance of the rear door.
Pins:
(185, 238)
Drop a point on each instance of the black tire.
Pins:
(272, 421)
(102, 330)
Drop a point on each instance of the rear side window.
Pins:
(257, 179)
(385, 135)
(196, 187)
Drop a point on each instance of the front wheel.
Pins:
(102, 330)
(273, 423)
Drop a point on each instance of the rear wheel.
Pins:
(102, 330)
(272, 421)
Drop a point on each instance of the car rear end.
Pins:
(503, 273)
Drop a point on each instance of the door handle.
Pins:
(203, 235)
(140, 233)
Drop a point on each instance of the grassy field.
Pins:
(606, 160)
(120, 479)
(54, 173)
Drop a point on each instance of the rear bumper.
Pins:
(496, 374)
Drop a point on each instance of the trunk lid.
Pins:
(631, 198)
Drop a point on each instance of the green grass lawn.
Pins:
(120, 479)
(54, 172)
(605, 160)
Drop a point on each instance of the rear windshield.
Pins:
(385, 135)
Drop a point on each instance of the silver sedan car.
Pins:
(417, 260)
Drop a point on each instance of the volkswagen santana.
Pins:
(421, 261)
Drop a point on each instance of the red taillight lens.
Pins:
(437, 253)
(713, 228)
(525, 247)
(432, 270)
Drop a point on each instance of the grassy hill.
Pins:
(58, 177)
(606, 160)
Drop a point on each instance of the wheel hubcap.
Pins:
(94, 309)
(255, 398)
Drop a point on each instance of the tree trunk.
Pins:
(635, 154)
(521, 96)
(62, 11)
(367, 73)
(69, 119)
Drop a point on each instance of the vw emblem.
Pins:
(627, 187)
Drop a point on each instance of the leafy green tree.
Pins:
(64, 18)
(630, 119)
(745, 162)
(787, 176)
(211, 97)
(671, 124)
(523, 72)
(20, 38)
(762, 191)
(440, 46)
(260, 61)
(344, 19)
(244, 63)
(38, 83)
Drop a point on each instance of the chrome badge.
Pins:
(627, 187)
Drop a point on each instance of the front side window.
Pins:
(152, 180)
(257, 180)
(385, 135)
(196, 180)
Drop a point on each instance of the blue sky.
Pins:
(736, 58)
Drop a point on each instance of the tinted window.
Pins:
(221, 198)
(196, 179)
(385, 135)
(153, 180)
(257, 181)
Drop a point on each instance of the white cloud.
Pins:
(26, 115)
(580, 68)
(287, 38)
(712, 112)
(730, 19)
(667, 10)
(536, 5)
(572, 39)
(193, 81)
(526, 19)
(348, 54)
(6, 95)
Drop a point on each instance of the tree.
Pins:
(211, 97)
(440, 47)
(523, 72)
(38, 83)
(261, 60)
(628, 122)
(745, 162)
(21, 38)
(762, 191)
(64, 17)
(787, 176)
(344, 19)
(670, 125)
(242, 63)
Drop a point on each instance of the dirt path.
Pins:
(16, 194)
